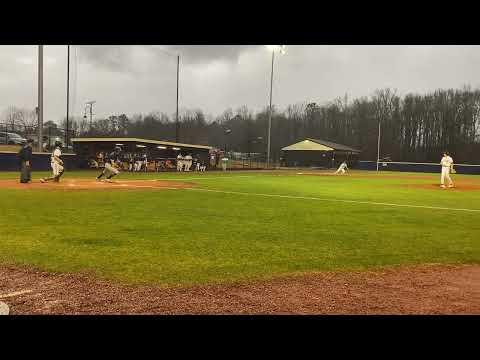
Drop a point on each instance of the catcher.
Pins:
(112, 164)
(56, 163)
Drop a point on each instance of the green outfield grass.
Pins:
(183, 237)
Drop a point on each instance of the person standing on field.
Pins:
(56, 163)
(188, 162)
(25, 156)
(447, 164)
(179, 162)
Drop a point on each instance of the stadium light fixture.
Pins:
(282, 50)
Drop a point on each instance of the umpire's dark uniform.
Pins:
(25, 156)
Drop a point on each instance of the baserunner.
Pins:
(56, 163)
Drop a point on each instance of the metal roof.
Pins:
(307, 145)
(335, 146)
(137, 140)
(318, 145)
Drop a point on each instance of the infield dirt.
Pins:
(84, 184)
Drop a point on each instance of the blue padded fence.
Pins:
(416, 167)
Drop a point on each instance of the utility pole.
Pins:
(176, 121)
(68, 94)
(40, 98)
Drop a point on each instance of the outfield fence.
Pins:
(415, 167)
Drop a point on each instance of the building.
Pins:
(318, 153)
(88, 149)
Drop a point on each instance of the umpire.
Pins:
(25, 156)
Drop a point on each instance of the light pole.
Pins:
(226, 132)
(176, 117)
(378, 143)
(40, 98)
(273, 48)
(177, 124)
(68, 94)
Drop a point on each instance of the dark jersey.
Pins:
(25, 154)
(113, 157)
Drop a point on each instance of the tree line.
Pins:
(414, 127)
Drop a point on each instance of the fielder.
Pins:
(111, 161)
(56, 163)
(447, 166)
(342, 168)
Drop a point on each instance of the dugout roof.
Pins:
(138, 141)
(319, 145)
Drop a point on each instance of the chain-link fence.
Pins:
(237, 160)
(13, 135)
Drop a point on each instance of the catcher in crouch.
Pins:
(111, 162)
(56, 163)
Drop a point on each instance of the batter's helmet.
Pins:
(58, 144)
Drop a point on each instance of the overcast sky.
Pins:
(141, 79)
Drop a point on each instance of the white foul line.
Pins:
(205, 178)
(336, 200)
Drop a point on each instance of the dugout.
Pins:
(319, 153)
(158, 152)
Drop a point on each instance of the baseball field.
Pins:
(241, 242)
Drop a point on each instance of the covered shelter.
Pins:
(318, 153)
(158, 152)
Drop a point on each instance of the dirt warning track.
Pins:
(421, 289)
(89, 184)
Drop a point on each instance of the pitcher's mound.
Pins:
(89, 184)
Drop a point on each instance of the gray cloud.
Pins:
(122, 58)
(201, 54)
(113, 58)
(134, 79)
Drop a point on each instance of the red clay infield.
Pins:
(89, 184)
